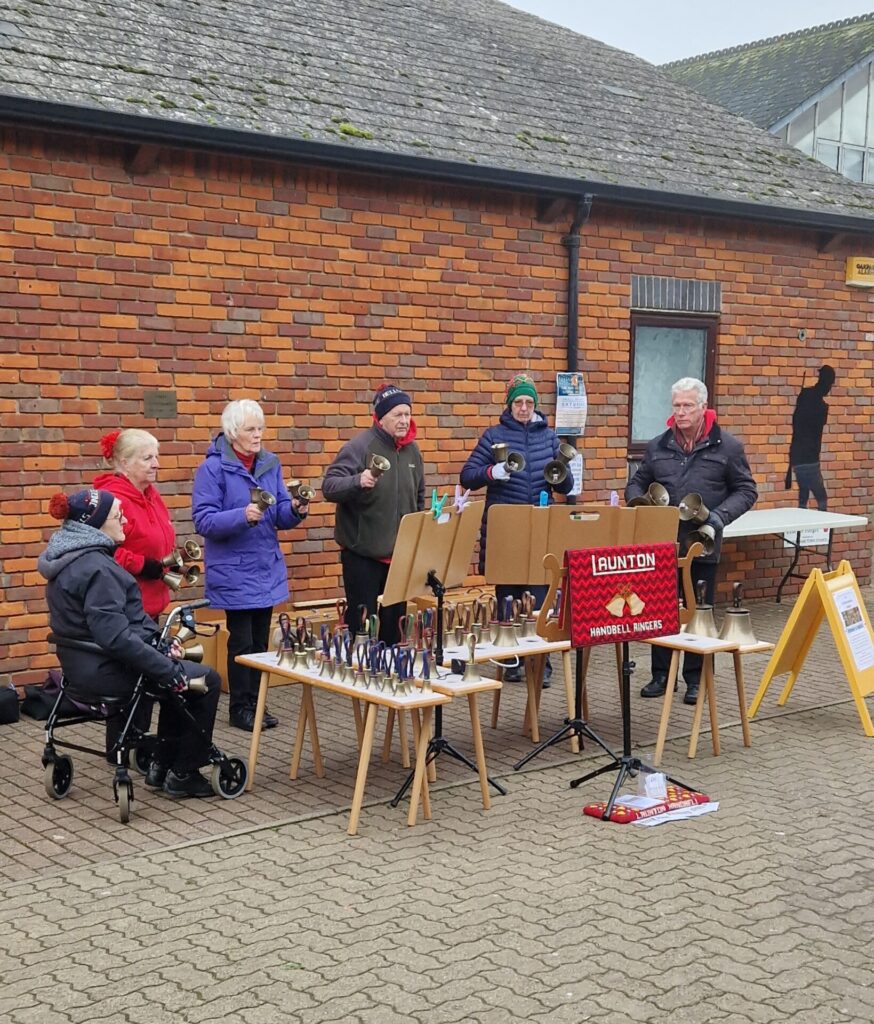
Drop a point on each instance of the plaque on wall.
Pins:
(160, 405)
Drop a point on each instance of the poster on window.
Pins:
(571, 404)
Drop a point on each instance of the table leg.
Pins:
(666, 708)
(741, 696)
(711, 702)
(389, 735)
(531, 722)
(363, 762)
(359, 722)
(419, 731)
(570, 697)
(419, 787)
(302, 720)
(256, 730)
(314, 732)
(480, 750)
(496, 697)
(404, 742)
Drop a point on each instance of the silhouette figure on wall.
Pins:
(808, 421)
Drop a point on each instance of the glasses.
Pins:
(120, 516)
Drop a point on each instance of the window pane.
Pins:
(801, 131)
(827, 153)
(661, 356)
(869, 167)
(851, 163)
(828, 121)
(855, 108)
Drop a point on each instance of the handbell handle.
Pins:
(737, 594)
(701, 591)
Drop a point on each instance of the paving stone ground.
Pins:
(263, 910)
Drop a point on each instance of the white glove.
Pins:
(500, 471)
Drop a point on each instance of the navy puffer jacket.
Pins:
(537, 442)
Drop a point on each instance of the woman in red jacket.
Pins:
(149, 534)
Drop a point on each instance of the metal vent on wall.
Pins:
(673, 295)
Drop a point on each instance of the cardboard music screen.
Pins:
(617, 594)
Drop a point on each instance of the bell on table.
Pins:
(702, 622)
(737, 626)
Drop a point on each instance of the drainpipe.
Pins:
(571, 242)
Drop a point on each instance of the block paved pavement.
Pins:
(263, 909)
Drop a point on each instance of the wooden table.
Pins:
(420, 704)
(533, 654)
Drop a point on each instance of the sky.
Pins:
(664, 30)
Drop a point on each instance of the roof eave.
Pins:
(140, 129)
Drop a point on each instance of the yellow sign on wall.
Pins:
(834, 596)
(860, 271)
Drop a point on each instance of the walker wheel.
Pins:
(125, 796)
(58, 777)
(228, 780)
(139, 758)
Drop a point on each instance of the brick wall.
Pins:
(219, 277)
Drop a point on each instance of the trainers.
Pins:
(156, 775)
(269, 721)
(243, 719)
(180, 784)
(691, 695)
(656, 687)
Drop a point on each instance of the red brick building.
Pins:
(188, 212)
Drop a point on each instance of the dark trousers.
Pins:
(661, 656)
(248, 633)
(809, 478)
(364, 580)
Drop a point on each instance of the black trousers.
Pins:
(515, 591)
(661, 656)
(364, 580)
(179, 744)
(248, 633)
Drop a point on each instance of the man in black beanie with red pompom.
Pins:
(371, 503)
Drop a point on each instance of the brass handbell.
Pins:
(303, 492)
(263, 499)
(505, 635)
(174, 580)
(737, 626)
(514, 461)
(655, 494)
(693, 509)
(173, 560)
(193, 651)
(556, 470)
(471, 670)
(702, 622)
(705, 536)
(378, 464)
(192, 551)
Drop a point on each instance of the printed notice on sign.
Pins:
(855, 628)
(571, 404)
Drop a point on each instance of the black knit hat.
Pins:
(90, 507)
(387, 397)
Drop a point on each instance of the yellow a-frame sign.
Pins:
(836, 596)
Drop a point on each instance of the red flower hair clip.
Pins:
(107, 443)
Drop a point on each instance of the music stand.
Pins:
(434, 554)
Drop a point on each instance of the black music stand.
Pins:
(433, 555)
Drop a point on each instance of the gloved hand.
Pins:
(152, 569)
(715, 521)
(500, 472)
(179, 683)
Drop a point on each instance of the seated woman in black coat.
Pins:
(92, 598)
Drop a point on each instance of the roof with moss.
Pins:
(767, 80)
(464, 81)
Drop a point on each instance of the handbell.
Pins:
(556, 470)
(174, 580)
(693, 509)
(303, 492)
(263, 499)
(702, 622)
(173, 560)
(502, 454)
(471, 669)
(378, 464)
(655, 494)
(192, 550)
(705, 536)
(505, 635)
(737, 626)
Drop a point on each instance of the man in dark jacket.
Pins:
(695, 455)
(808, 422)
(92, 598)
(526, 431)
(371, 504)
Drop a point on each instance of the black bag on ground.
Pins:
(8, 705)
(39, 700)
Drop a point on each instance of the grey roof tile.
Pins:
(766, 80)
(456, 80)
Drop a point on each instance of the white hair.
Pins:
(130, 443)
(235, 414)
(691, 384)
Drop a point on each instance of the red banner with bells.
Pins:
(622, 593)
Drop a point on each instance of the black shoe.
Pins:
(691, 695)
(243, 719)
(269, 721)
(156, 774)
(180, 784)
(656, 687)
(513, 675)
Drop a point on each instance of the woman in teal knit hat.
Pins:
(524, 428)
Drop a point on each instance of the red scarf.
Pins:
(247, 460)
(703, 430)
(408, 438)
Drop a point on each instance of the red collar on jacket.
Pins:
(703, 430)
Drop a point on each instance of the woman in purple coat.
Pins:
(245, 569)
(526, 431)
